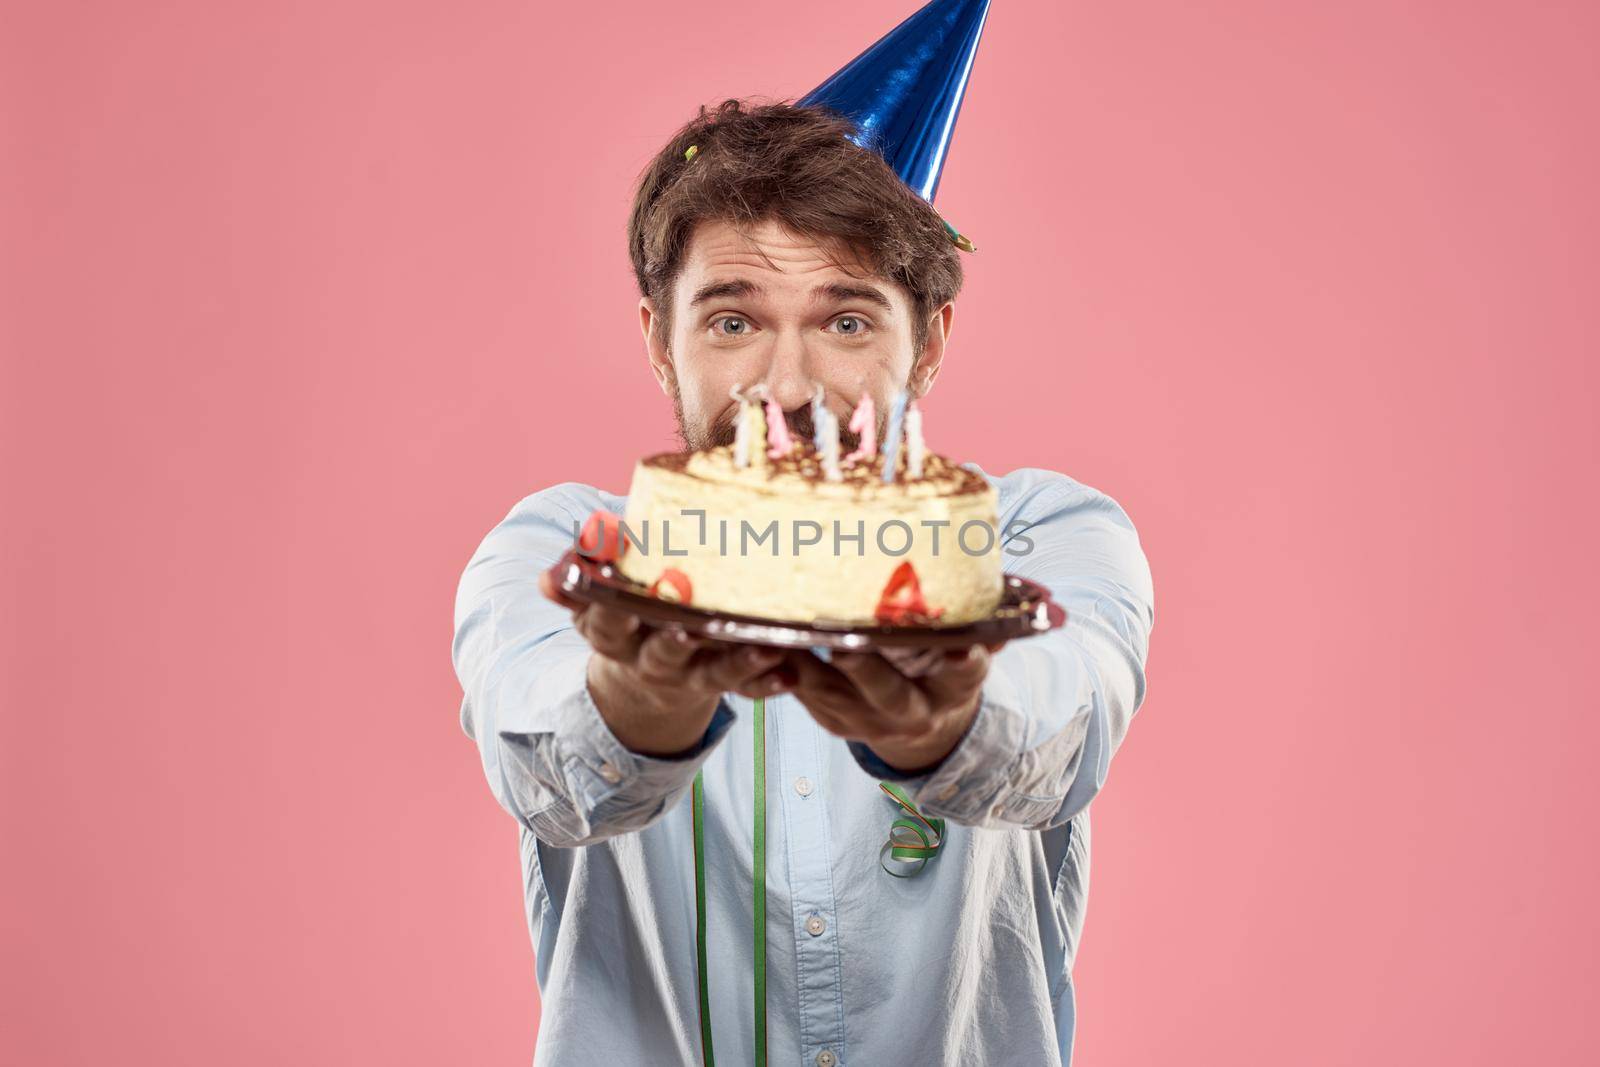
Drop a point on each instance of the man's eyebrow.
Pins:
(835, 291)
(839, 291)
(718, 290)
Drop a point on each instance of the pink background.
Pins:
(300, 298)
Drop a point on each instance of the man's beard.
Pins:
(725, 430)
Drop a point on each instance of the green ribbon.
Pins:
(760, 878)
(698, 805)
(911, 840)
(915, 839)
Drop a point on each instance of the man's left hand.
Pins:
(911, 723)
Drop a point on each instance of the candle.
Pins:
(916, 448)
(830, 451)
(758, 433)
(779, 443)
(891, 441)
(749, 431)
(825, 437)
(818, 410)
(741, 430)
(864, 421)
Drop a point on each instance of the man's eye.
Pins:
(730, 326)
(850, 325)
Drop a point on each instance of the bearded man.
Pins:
(770, 247)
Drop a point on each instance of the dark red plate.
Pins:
(1025, 609)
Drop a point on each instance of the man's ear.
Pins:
(926, 369)
(655, 345)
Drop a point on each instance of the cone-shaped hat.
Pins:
(904, 92)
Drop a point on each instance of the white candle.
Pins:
(741, 428)
(830, 451)
(750, 431)
(755, 417)
(830, 448)
(819, 411)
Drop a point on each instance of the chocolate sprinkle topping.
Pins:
(806, 462)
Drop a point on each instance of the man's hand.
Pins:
(657, 689)
(911, 723)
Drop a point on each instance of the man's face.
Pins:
(790, 325)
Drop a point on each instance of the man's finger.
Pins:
(664, 655)
(552, 590)
(835, 702)
(840, 725)
(913, 662)
(612, 633)
(826, 686)
(877, 680)
(739, 670)
(779, 679)
(818, 678)
(958, 676)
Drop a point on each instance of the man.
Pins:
(780, 252)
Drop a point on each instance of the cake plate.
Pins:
(1025, 609)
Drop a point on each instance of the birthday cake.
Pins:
(789, 530)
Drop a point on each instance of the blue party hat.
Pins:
(904, 93)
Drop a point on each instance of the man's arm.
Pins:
(1053, 707)
(572, 770)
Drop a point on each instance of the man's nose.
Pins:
(790, 378)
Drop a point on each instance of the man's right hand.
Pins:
(657, 689)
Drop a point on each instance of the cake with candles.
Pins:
(776, 528)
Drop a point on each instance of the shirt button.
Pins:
(815, 925)
(948, 791)
(609, 772)
(802, 785)
(826, 1058)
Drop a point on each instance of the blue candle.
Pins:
(916, 448)
(891, 442)
(825, 436)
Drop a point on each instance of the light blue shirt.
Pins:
(968, 962)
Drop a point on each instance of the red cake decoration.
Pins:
(601, 539)
(672, 585)
(901, 602)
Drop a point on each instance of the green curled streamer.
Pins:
(911, 840)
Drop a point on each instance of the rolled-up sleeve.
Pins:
(1054, 707)
(549, 756)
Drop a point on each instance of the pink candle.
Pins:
(864, 421)
(779, 443)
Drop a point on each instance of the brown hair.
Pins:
(798, 167)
